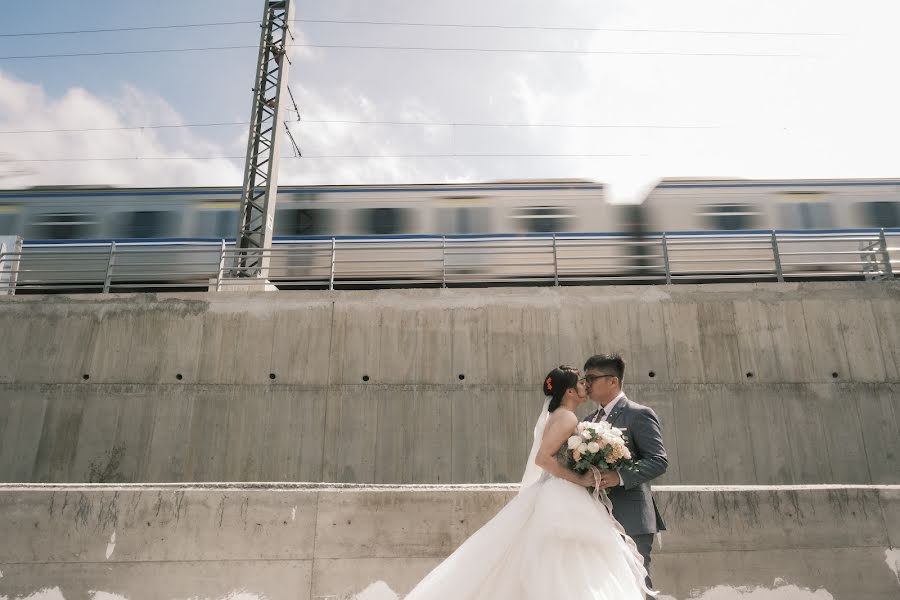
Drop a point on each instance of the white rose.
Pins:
(586, 435)
(574, 442)
(593, 447)
(582, 448)
(626, 454)
(579, 428)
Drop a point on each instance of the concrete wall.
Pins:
(754, 383)
(307, 542)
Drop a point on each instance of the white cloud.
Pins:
(822, 110)
(26, 106)
(827, 112)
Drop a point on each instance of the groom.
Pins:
(629, 491)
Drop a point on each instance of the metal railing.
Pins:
(421, 261)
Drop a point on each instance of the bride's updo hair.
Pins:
(557, 382)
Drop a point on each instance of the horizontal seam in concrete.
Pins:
(151, 562)
(363, 487)
(414, 556)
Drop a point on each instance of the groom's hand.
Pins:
(609, 479)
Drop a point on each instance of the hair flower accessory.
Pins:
(549, 384)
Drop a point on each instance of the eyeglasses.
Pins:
(592, 378)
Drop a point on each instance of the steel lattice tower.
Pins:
(260, 187)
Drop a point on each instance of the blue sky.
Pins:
(822, 106)
(184, 80)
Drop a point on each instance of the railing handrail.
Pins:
(557, 258)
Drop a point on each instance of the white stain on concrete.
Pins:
(106, 596)
(377, 591)
(891, 557)
(779, 592)
(244, 595)
(111, 546)
(294, 514)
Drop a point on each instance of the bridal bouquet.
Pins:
(598, 444)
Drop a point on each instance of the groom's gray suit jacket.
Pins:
(633, 504)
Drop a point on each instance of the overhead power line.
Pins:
(315, 156)
(543, 51)
(422, 24)
(123, 52)
(113, 29)
(410, 48)
(564, 28)
(357, 122)
(130, 128)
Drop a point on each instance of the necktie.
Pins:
(600, 414)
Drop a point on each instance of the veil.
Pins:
(532, 471)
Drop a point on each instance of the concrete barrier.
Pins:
(317, 541)
(754, 383)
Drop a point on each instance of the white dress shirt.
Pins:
(607, 410)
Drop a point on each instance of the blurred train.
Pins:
(564, 206)
(699, 207)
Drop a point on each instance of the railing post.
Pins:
(109, 267)
(7, 282)
(333, 253)
(779, 272)
(443, 261)
(665, 250)
(888, 270)
(221, 274)
(555, 263)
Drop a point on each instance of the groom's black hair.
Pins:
(612, 363)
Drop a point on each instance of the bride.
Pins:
(553, 540)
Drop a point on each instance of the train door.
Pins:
(465, 220)
(805, 210)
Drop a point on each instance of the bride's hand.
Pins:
(587, 480)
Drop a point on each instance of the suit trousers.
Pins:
(644, 543)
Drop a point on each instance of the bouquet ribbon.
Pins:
(637, 560)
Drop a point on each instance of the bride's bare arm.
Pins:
(559, 428)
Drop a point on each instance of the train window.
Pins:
(545, 219)
(806, 215)
(217, 223)
(151, 224)
(384, 220)
(729, 217)
(63, 226)
(9, 223)
(882, 214)
(303, 221)
(465, 219)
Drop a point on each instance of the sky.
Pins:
(698, 88)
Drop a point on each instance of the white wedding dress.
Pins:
(553, 540)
